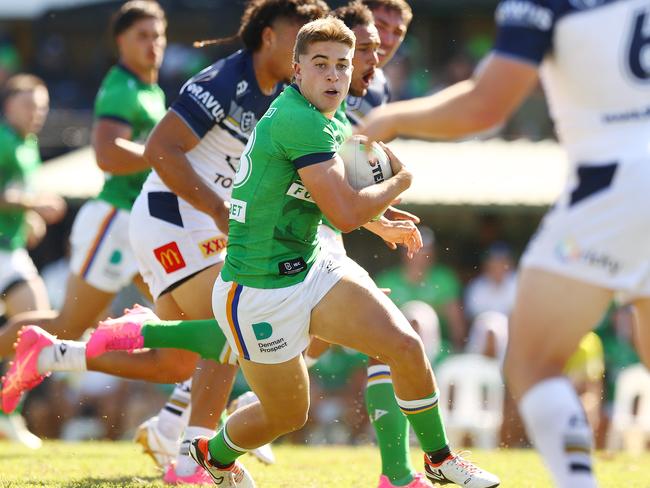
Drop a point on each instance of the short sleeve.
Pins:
(116, 102)
(205, 99)
(306, 137)
(524, 29)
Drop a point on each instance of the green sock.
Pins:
(391, 426)
(222, 450)
(202, 336)
(424, 416)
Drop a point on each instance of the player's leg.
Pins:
(376, 327)
(551, 315)
(212, 382)
(21, 289)
(283, 407)
(25, 295)
(391, 428)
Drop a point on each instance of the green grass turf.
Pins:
(120, 464)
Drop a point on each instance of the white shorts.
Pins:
(172, 240)
(599, 230)
(15, 266)
(100, 250)
(272, 325)
(331, 240)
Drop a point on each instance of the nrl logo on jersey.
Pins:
(585, 4)
(247, 121)
(354, 102)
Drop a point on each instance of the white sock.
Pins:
(63, 356)
(557, 425)
(173, 417)
(185, 465)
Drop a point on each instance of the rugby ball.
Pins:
(365, 164)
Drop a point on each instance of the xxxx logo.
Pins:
(212, 246)
(169, 257)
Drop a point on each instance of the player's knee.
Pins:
(291, 419)
(407, 347)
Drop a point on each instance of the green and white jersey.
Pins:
(123, 97)
(19, 159)
(273, 241)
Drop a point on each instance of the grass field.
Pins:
(120, 464)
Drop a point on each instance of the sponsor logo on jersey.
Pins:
(272, 346)
(524, 13)
(223, 180)
(207, 100)
(238, 210)
(298, 190)
(212, 246)
(169, 257)
(568, 251)
(262, 330)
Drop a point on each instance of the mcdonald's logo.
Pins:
(170, 257)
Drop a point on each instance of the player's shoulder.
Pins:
(221, 77)
(118, 84)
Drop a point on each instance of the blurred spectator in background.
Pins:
(9, 60)
(423, 278)
(25, 103)
(495, 288)
(616, 333)
(338, 414)
(23, 214)
(424, 320)
(488, 335)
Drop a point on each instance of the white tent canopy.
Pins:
(492, 172)
(14, 9)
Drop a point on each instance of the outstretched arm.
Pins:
(468, 107)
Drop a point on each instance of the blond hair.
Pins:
(322, 30)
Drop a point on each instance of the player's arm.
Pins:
(50, 207)
(115, 152)
(165, 150)
(345, 207)
(468, 107)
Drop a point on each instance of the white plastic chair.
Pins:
(476, 408)
(630, 426)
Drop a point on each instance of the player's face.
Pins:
(365, 58)
(283, 38)
(323, 74)
(143, 44)
(27, 111)
(392, 29)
